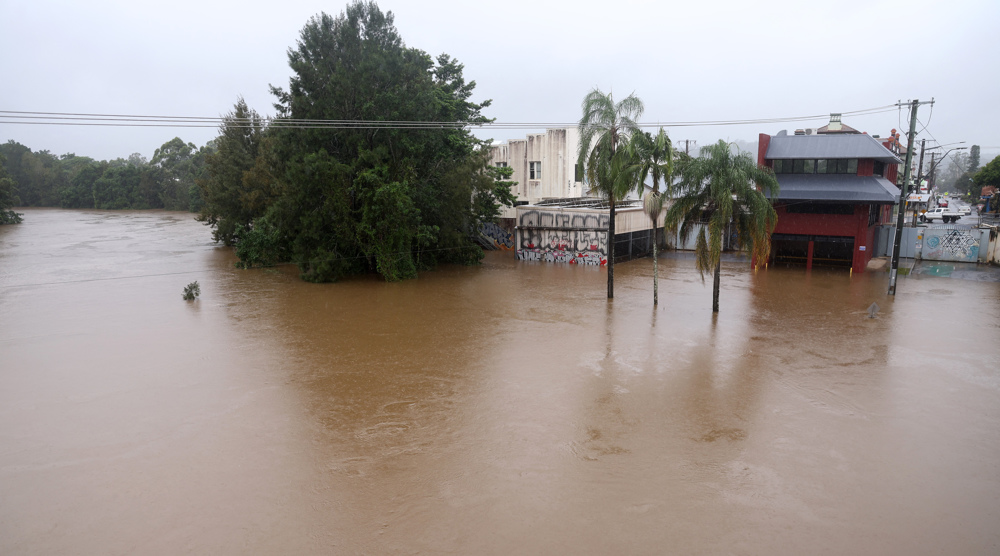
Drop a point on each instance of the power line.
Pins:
(132, 120)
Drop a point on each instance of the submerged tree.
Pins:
(652, 203)
(388, 198)
(239, 186)
(718, 189)
(192, 291)
(605, 128)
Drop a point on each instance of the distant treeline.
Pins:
(42, 179)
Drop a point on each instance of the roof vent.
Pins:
(800, 132)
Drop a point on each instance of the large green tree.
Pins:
(239, 185)
(390, 197)
(605, 128)
(715, 190)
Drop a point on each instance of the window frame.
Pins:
(534, 169)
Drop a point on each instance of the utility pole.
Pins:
(930, 179)
(920, 177)
(900, 218)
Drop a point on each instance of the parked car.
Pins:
(944, 213)
(966, 210)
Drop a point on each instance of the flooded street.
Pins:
(502, 409)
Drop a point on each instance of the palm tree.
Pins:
(653, 204)
(653, 156)
(604, 129)
(717, 189)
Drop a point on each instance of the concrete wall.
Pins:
(956, 245)
(579, 235)
(992, 253)
(942, 244)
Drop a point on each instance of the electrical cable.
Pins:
(131, 120)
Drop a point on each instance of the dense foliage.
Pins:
(988, 175)
(8, 197)
(341, 200)
(69, 181)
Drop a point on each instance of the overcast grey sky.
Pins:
(688, 61)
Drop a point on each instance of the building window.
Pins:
(578, 172)
(879, 168)
(534, 170)
(822, 166)
(501, 164)
(846, 165)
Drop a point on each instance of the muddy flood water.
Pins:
(501, 409)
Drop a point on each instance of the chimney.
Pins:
(834, 124)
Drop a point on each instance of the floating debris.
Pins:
(872, 310)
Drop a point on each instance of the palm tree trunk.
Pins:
(611, 251)
(655, 275)
(715, 288)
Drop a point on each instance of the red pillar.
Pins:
(859, 260)
(809, 256)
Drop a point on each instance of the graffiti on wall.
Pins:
(951, 245)
(572, 238)
(553, 219)
(500, 237)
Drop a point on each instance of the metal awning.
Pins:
(837, 188)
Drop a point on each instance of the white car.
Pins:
(946, 214)
(966, 210)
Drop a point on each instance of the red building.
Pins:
(836, 186)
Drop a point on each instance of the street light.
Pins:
(935, 163)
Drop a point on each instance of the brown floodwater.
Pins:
(502, 409)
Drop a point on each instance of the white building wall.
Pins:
(556, 150)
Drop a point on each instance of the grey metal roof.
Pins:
(836, 187)
(585, 202)
(829, 146)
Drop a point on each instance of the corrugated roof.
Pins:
(585, 202)
(829, 146)
(836, 187)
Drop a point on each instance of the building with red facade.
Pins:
(836, 186)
